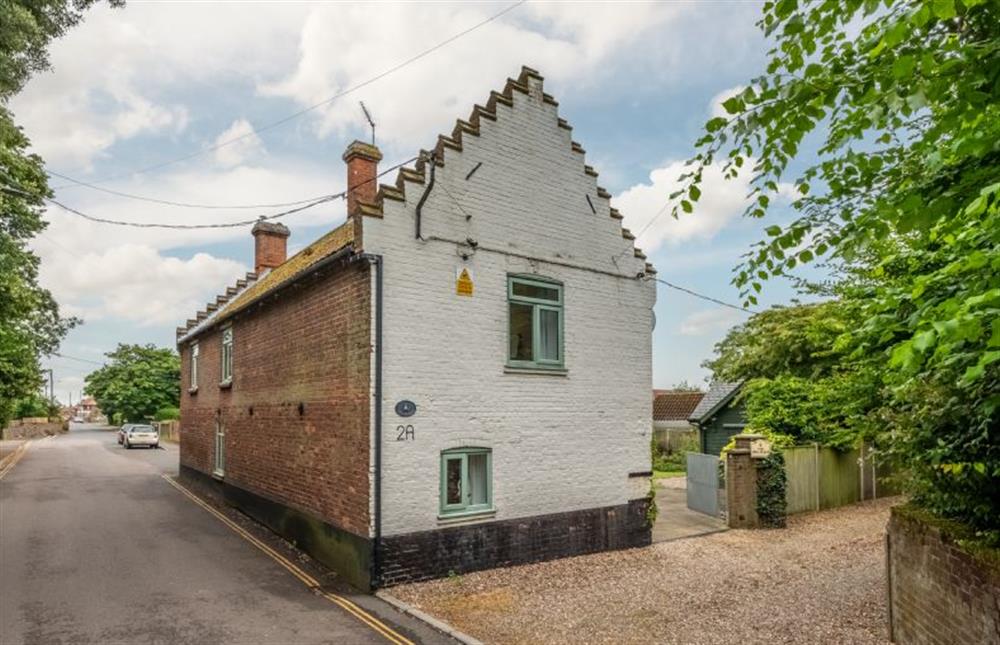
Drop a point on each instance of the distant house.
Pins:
(718, 416)
(456, 378)
(87, 409)
(671, 409)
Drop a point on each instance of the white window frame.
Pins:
(219, 458)
(195, 351)
(227, 356)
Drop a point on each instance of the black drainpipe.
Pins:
(423, 198)
(376, 568)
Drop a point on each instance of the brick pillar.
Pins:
(741, 484)
(362, 174)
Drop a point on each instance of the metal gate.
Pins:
(703, 483)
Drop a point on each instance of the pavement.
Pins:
(97, 547)
(674, 520)
(8, 446)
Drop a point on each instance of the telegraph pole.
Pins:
(52, 389)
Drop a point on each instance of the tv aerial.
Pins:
(371, 121)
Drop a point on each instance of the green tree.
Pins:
(797, 340)
(30, 323)
(137, 382)
(903, 98)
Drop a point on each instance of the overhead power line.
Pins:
(274, 124)
(74, 358)
(103, 220)
(704, 297)
(168, 202)
(247, 222)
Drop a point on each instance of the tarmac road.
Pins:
(96, 547)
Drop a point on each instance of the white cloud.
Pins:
(270, 180)
(135, 283)
(247, 144)
(571, 45)
(721, 202)
(715, 105)
(110, 74)
(710, 321)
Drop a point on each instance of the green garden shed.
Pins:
(718, 417)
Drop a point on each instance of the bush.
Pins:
(771, 481)
(35, 406)
(168, 414)
(673, 459)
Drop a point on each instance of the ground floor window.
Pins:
(466, 480)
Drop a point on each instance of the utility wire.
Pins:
(74, 358)
(102, 220)
(315, 106)
(704, 297)
(317, 202)
(168, 202)
(615, 260)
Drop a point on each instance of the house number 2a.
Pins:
(404, 433)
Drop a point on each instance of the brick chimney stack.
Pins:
(270, 244)
(362, 172)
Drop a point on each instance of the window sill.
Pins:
(466, 518)
(225, 385)
(193, 390)
(550, 371)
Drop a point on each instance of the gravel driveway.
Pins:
(820, 580)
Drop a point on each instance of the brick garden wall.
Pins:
(296, 417)
(938, 592)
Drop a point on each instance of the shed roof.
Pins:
(717, 396)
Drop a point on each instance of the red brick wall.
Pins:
(297, 415)
(938, 592)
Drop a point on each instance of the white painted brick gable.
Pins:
(560, 443)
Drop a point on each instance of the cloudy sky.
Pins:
(156, 82)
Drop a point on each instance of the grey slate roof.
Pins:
(717, 396)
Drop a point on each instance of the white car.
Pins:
(141, 435)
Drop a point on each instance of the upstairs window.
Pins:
(535, 323)
(194, 366)
(227, 355)
(466, 481)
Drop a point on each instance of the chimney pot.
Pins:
(270, 247)
(362, 174)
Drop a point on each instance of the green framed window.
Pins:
(466, 481)
(535, 322)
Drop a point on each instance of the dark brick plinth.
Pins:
(459, 549)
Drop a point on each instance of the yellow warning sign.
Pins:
(463, 284)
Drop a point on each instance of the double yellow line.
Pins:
(391, 635)
(11, 460)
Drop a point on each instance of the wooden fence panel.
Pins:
(801, 493)
(839, 478)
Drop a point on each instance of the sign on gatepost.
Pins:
(760, 448)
